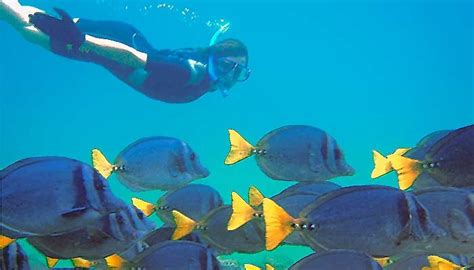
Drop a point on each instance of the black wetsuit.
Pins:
(169, 74)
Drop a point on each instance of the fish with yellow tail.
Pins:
(194, 200)
(162, 163)
(438, 263)
(340, 259)
(446, 157)
(254, 267)
(362, 216)
(292, 153)
(249, 238)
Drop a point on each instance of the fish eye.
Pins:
(140, 214)
(193, 156)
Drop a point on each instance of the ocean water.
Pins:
(373, 74)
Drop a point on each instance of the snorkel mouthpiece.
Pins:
(211, 68)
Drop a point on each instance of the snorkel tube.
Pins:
(211, 68)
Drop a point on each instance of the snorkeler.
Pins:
(174, 76)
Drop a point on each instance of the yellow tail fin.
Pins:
(146, 207)
(239, 148)
(400, 152)
(114, 261)
(255, 197)
(251, 267)
(381, 165)
(269, 267)
(278, 224)
(438, 263)
(407, 169)
(241, 212)
(184, 225)
(383, 261)
(79, 262)
(5, 241)
(51, 262)
(101, 164)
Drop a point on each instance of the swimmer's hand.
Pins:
(63, 32)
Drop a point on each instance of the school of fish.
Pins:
(70, 212)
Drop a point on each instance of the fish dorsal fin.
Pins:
(51, 262)
(383, 261)
(146, 207)
(255, 197)
(248, 266)
(79, 262)
(101, 164)
(241, 212)
(269, 267)
(239, 148)
(184, 225)
(382, 165)
(114, 261)
(5, 241)
(407, 169)
(278, 224)
(438, 263)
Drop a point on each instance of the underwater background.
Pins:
(373, 74)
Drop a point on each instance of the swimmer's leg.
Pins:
(116, 31)
(12, 12)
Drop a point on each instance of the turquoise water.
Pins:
(372, 74)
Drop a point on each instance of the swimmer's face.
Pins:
(232, 69)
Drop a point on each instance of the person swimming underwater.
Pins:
(173, 76)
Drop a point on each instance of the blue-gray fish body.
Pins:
(337, 259)
(14, 258)
(162, 163)
(295, 198)
(114, 233)
(52, 195)
(453, 210)
(301, 153)
(248, 238)
(450, 160)
(425, 180)
(194, 201)
(156, 237)
(378, 220)
(419, 260)
(176, 255)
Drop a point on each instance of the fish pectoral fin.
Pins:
(382, 165)
(146, 207)
(248, 266)
(184, 225)
(278, 224)
(460, 226)
(239, 148)
(241, 212)
(407, 170)
(101, 164)
(51, 262)
(74, 212)
(115, 261)
(79, 262)
(255, 196)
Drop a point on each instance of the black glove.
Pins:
(62, 32)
